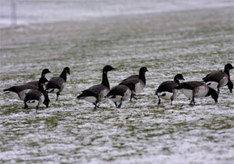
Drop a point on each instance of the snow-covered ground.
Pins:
(193, 43)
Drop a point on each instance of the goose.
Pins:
(43, 73)
(192, 89)
(218, 79)
(166, 89)
(121, 93)
(97, 93)
(57, 84)
(138, 80)
(36, 97)
(22, 90)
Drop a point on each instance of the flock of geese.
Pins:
(35, 93)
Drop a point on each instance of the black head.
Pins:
(143, 70)
(213, 94)
(107, 68)
(67, 70)
(179, 77)
(45, 71)
(228, 66)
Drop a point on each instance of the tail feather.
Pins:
(80, 96)
(6, 91)
(31, 101)
(50, 90)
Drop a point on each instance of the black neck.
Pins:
(177, 81)
(142, 77)
(44, 78)
(40, 87)
(42, 74)
(105, 81)
(64, 75)
(227, 72)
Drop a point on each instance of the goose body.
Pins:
(20, 90)
(121, 93)
(57, 84)
(36, 97)
(192, 89)
(218, 79)
(139, 81)
(167, 89)
(95, 94)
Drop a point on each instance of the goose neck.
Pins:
(105, 81)
(64, 75)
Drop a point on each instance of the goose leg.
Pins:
(133, 96)
(116, 104)
(173, 97)
(26, 108)
(95, 105)
(171, 100)
(192, 101)
(57, 96)
(159, 100)
(37, 108)
(120, 103)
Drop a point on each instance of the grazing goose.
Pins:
(121, 93)
(57, 84)
(36, 97)
(97, 93)
(43, 73)
(138, 80)
(218, 79)
(166, 89)
(192, 89)
(21, 90)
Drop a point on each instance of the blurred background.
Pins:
(18, 12)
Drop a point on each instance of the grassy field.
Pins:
(193, 43)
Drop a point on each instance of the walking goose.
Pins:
(138, 80)
(57, 84)
(97, 93)
(192, 89)
(36, 97)
(121, 93)
(166, 89)
(218, 79)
